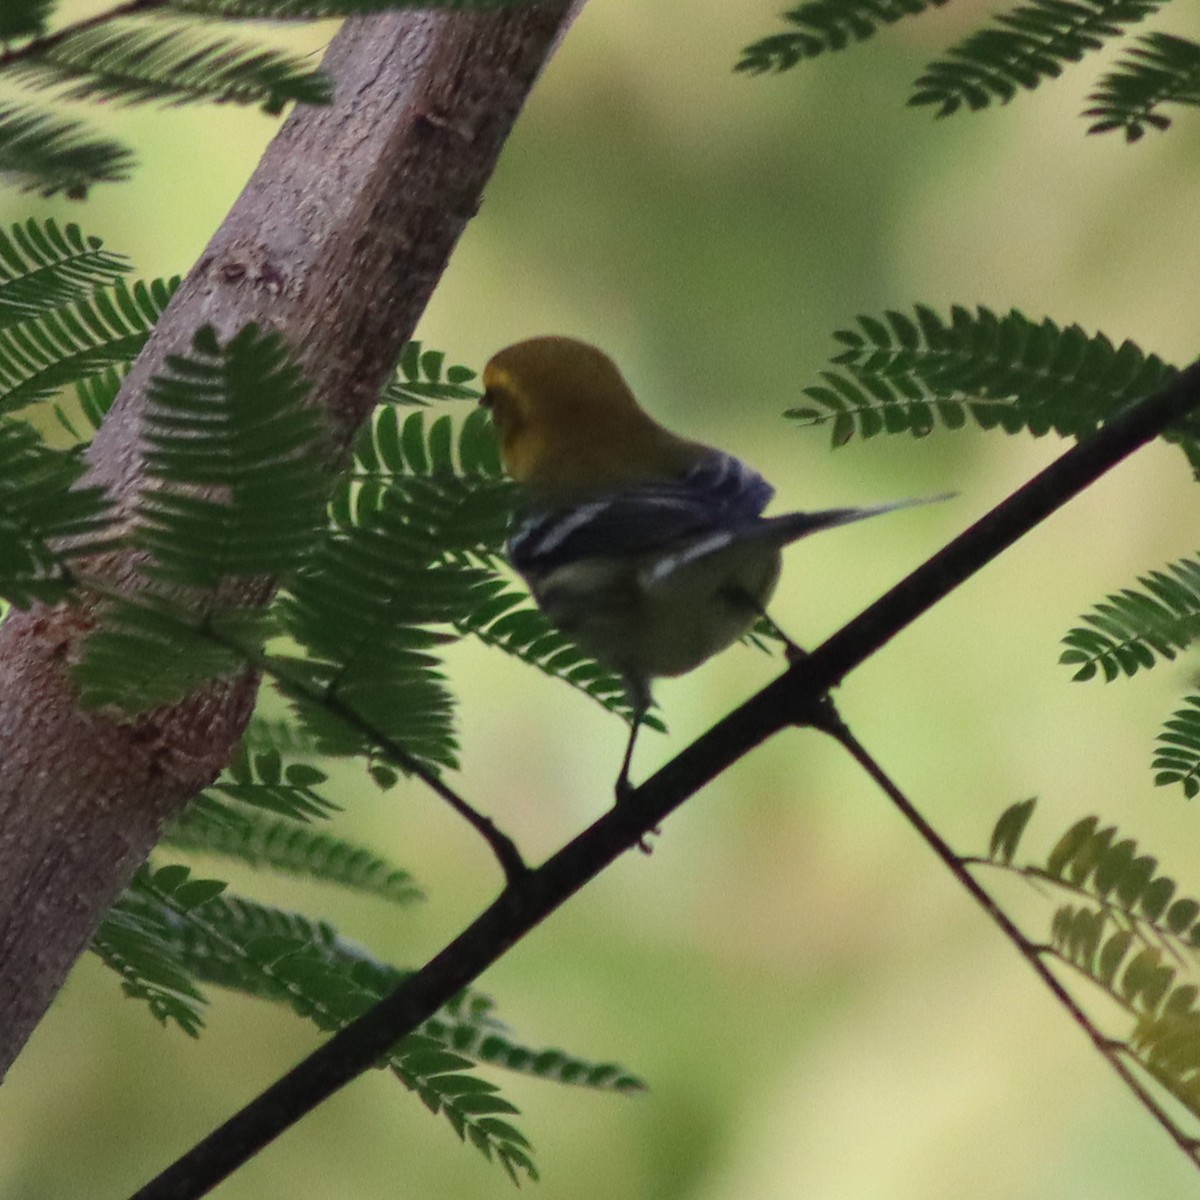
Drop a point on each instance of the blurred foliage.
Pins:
(1021, 48)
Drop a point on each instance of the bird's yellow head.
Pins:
(568, 423)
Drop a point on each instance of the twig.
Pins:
(501, 845)
(824, 716)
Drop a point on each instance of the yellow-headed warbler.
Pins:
(649, 550)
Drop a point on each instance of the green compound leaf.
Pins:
(24, 18)
(1008, 830)
(1136, 628)
(44, 266)
(231, 417)
(150, 652)
(45, 521)
(262, 780)
(82, 415)
(1177, 756)
(40, 152)
(199, 931)
(1127, 930)
(1023, 47)
(282, 846)
(422, 377)
(902, 374)
(1160, 70)
(78, 340)
(171, 62)
(824, 26)
(505, 617)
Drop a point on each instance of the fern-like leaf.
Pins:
(24, 18)
(45, 522)
(412, 456)
(372, 656)
(1009, 829)
(422, 376)
(138, 62)
(231, 417)
(417, 463)
(39, 152)
(1127, 929)
(263, 780)
(237, 488)
(1168, 1045)
(283, 846)
(1177, 757)
(505, 617)
(281, 737)
(81, 416)
(1135, 628)
(1095, 860)
(468, 1025)
(823, 26)
(74, 342)
(232, 942)
(388, 448)
(1162, 69)
(902, 374)
(422, 514)
(44, 265)
(150, 652)
(1118, 942)
(1132, 974)
(134, 940)
(1023, 47)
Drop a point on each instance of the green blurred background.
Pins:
(818, 1009)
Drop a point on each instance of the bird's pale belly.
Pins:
(667, 627)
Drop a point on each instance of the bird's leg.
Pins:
(639, 700)
(624, 789)
(637, 690)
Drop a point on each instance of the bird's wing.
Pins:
(720, 492)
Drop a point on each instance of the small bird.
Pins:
(649, 550)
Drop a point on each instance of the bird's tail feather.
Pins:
(792, 526)
(774, 531)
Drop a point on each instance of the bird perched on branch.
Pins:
(649, 550)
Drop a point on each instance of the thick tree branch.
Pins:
(336, 242)
(793, 699)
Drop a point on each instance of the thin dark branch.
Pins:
(533, 896)
(827, 720)
(392, 749)
(501, 845)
